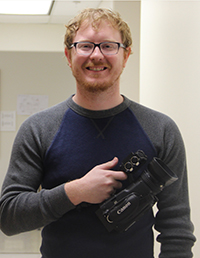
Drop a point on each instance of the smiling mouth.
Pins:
(96, 69)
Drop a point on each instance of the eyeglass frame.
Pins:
(98, 45)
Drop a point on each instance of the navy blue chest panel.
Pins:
(82, 143)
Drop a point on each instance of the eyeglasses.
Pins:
(107, 48)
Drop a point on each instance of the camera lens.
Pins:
(158, 175)
(161, 172)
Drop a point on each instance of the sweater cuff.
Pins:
(59, 201)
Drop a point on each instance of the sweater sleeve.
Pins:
(172, 220)
(173, 217)
(22, 206)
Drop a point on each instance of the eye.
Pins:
(109, 46)
(84, 46)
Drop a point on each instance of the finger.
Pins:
(110, 164)
(117, 185)
(119, 175)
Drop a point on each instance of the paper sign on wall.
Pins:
(30, 104)
(7, 120)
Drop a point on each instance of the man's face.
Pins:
(97, 72)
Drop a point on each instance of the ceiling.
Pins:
(61, 12)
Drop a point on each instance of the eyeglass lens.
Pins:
(107, 48)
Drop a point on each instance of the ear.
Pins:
(68, 55)
(127, 53)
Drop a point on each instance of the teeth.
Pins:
(96, 69)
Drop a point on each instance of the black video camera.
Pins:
(123, 209)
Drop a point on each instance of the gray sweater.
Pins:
(23, 208)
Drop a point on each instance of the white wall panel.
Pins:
(170, 77)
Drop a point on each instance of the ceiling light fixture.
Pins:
(26, 7)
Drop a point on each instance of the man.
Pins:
(74, 150)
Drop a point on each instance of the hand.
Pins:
(97, 185)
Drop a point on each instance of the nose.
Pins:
(97, 53)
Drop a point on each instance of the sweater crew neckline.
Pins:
(98, 113)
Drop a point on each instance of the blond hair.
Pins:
(94, 16)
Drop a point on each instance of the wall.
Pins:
(170, 77)
(32, 62)
(130, 12)
(35, 73)
(31, 37)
